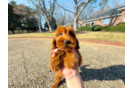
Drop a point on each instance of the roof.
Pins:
(107, 14)
(121, 8)
(110, 13)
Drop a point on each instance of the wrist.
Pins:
(75, 82)
(73, 73)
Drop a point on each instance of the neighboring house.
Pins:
(111, 17)
(69, 24)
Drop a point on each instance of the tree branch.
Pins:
(78, 1)
(81, 4)
(83, 8)
(64, 8)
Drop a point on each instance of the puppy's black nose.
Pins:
(66, 42)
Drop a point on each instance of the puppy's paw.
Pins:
(54, 68)
(54, 86)
(56, 65)
(70, 61)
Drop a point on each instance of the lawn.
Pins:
(113, 36)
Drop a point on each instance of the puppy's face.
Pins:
(65, 39)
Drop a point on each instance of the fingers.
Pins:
(74, 51)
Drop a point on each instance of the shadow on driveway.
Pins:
(110, 73)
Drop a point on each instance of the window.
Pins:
(106, 21)
(79, 25)
(87, 24)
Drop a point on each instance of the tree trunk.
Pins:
(39, 27)
(50, 28)
(12, 31)
(52, 23)
(38, 21)
(28, 31)
(75, 24)
(75, 18)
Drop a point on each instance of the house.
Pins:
(111, 17)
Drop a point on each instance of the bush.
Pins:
(108, 28)
(119, 27)
(48, 31)
(17, 31)
(25, 31)
(96, 28)
(85, 28)
(76, 31)
(122, 23)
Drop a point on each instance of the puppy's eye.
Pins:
(71, 34)
(60, 34)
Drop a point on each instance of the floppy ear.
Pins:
(77, 47)
(53, 44)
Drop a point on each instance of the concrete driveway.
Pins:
(28, 64)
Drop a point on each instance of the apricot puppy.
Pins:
(65, 40)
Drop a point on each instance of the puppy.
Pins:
(65, 40)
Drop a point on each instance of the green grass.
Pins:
(32, 35)
(112, 36)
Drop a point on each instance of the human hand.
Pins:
(73, 71)
(66, 71)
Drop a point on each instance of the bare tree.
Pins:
(87, 12)
(38, 18)
(61, 15)
(79, 5)
(116, 4)
(69, 17)
(41, 5)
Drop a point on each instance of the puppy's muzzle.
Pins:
(66, 42)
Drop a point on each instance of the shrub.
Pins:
(122, 23)
(17, 31)
(96, 28)
(24, 31)
(120, 27)
(76, 31)
(48, 31)
(85, 28)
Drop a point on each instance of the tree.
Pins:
(31, 25)
(103, 4)
(13, 4)
(62, 16)
(87, 12)
(79, 5)
(37, 15)
(53, 23)
(30, 14)
(70, 17)
(14, 20)
(40, 4)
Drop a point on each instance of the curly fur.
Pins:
(63, 57)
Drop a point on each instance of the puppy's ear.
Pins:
(77, 47)
(53, 44)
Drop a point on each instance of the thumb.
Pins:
(73, 50)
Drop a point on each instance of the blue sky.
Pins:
(68, 4)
